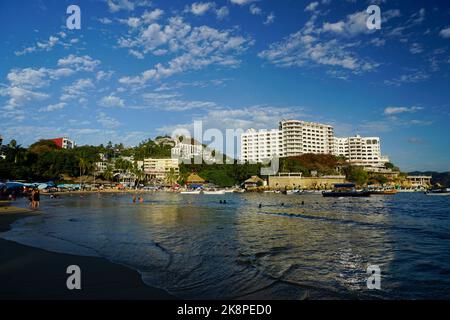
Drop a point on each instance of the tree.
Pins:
(171, 176)
(357, 175)
(108, 174)
(42, 146)
(85, 166)
(138, 173)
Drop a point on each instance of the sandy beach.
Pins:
(30, 273)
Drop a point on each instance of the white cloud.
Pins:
(36, 78)
(314, 46)
(105, 20)
(355, 23)
(22, 83)
(112, 101)
(312, 6)
(28, 77)
(300, 50)
(77, 89)
(414, 76)
(172, 102)
(103, 75)
(242, 2)
(399, 110)
(79, 63)
(200, 8)
(445, 33)
(255, 10)
(132, 22)
(128, 5)
(136, 54)
(222, 12)
(47, 45)
(416, 48)
(53, 107)
(270, 19)
(20, 96)
(152, 16)
(194, 48)
(106, 121)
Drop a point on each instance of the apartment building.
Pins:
(362, 151)
(301, 137)
(296, 137)
(257, 146)
(64, 143)
(293, 138)
(189, 148)
(160, 168)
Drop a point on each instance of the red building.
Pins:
(63, 143)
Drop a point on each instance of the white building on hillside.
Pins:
(160, 168)
(189, 148)
(361, 151)
(256, 146)
(293, 138)
(301, 137)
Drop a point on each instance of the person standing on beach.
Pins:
(36, 199)
(31, 199)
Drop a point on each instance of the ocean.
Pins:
(196, 248)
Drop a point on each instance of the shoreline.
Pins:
(36, 274)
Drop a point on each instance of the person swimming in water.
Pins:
(134, 199)
(141, 199)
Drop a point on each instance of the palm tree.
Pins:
(15, 150)
(108, 174)
(84, 165)
(171, 176)
(138, 173)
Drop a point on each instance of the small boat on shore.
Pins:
(438, 192)
(191, 192)
(345, 190)
(213, 192)
(387, 192)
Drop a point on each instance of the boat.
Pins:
(213, 192)
(345, 190)
(386, 192)
(438, 192)
(306, 192)
(191, 192)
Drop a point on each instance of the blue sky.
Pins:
(137, 69)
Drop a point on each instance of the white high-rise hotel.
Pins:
(295, 137)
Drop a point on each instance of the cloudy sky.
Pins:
(137, 69)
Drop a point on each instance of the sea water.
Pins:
(197, 248)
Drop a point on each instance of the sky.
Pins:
(139, 69)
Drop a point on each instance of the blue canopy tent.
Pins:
(69, 186)
(195, 186)
(14, 185)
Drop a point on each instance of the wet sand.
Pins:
(30, 273)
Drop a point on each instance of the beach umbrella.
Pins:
(50, 184)
(14, 185)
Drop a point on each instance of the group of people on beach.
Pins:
(34, 199)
